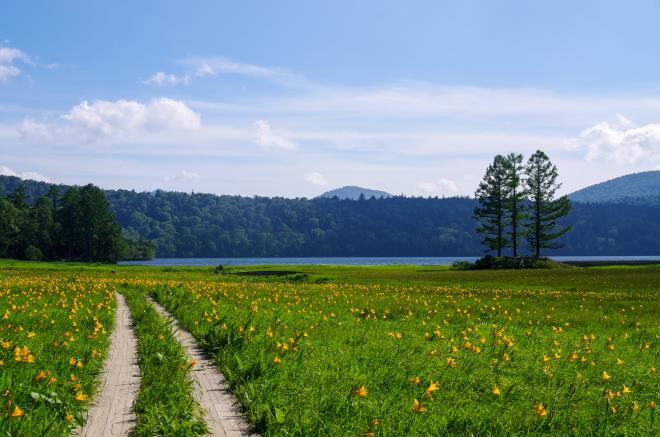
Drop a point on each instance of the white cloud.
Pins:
(6, 171)
(162, 78)
(267, 139)
(316, 178)
(622, 142)
(183, 175)
(8, 56)
(121, 120)
(441, 186)
(7, 71)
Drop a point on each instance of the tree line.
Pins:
(77, 224)
(207, 225)
(517, 201)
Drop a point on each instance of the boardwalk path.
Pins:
(221, 409)
(111, 413)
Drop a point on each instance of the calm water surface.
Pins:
(372, 261)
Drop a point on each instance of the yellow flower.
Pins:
(41, 375)
(451, 362)
(433, 386)
(619, 361)
(80, 396)
(496, 390)
(69, 417)
(17, 412)
(605, 376)
(31, 334)
(651, 404)
(360, 390)
(277, 360)
(416, 380)
(193, 362)
(652, 370)
(72, 361)
(418, 407)
(540, 410)
(625, 390)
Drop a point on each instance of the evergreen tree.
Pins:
(515, 197)
(491, 211)
(541, 186)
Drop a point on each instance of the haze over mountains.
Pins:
(208, 225)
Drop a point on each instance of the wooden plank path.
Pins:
(111, 413)
(222, 411)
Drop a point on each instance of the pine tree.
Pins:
(541, 186)
(491, 195)
(515, 197)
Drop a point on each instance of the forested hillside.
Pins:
(637, 188)
(205, 225)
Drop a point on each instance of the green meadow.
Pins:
(345, 350)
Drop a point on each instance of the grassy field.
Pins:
(395, 350)
(54, 332)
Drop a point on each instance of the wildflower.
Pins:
(31, 334)
(652, 370)
(80, 396)
(69, 417)
(418, 407)
(619, 361)
(651, 404)
(636, 406)
(193, 362)
(540, 410)
(605, 376)
(17, 412)
(451, 362)
(360, 391)
(72, 361)
(433, 386)
(495, 390)
(277, 360)
(41, 375)
(416, 380)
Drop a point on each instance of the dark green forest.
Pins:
(206, 225)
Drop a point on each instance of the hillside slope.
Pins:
(637, 188)
(354, 193)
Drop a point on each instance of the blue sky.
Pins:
(295, 97)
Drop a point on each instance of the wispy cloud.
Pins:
(197, 67)
(161, 78)
(32, 175)
(8, 59)
(266, 138)
(441, 186)
(316, 178)
(183, 175)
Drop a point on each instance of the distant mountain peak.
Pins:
(638, 188)
(353, 193)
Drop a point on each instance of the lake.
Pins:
(372, 261)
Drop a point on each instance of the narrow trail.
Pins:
(111, 412)
(222, 411)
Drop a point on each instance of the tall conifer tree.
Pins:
(541, 186)
(515, 197)
(491, 211)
